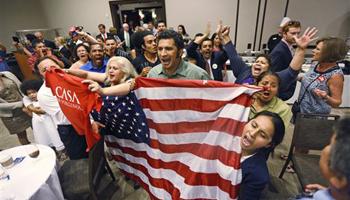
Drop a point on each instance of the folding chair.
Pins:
(311, 132)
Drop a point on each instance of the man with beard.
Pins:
(206, 58)
(282, 54)
(170, 50)
(145, 41)
(97, 61)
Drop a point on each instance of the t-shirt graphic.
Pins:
(76, 101)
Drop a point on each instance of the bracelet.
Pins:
(131, 84)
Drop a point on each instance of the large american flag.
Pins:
(185, 142)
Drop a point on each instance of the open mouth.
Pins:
(207, 54)
(245, 141)
(257, 69)
(266, 94)
(165, 61)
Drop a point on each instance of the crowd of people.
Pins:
(111, 61)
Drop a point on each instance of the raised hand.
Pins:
(206, 34)
(207, 30)
(219, 30)
(306, 38)
(225, 31)
(93, 86)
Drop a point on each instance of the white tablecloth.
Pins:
(33, 178)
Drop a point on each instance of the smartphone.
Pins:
(15, 39)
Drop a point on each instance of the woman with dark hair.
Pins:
(322, 86)
(81, 52)
(182, 31)
(247, 75)
(259, 138)
(217, 46)
(267, 99)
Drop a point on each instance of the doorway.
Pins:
(136, 13)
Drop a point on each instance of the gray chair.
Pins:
(87, 178)
(311, 132)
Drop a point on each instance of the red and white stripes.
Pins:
(195, 129)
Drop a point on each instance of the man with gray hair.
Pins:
(125, 36)
(334, 165)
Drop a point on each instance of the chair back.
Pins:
(313, 131)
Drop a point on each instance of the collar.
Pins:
(179, 71)
(290, 47)
(269, 105)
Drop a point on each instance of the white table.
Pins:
(33, 178)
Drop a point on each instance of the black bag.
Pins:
(295, 110)
(296, 105)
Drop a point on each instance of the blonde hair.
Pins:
(125, 66)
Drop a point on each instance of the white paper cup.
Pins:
(6, 160)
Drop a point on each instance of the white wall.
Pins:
(19, 15)
(87, 13)
(331, 17)
(194, 14)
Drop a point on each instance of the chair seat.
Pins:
(74, 178)
(307, 168)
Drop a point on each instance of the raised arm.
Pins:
(191, 50)
(88, 37)
(198, 40)
(99, 77)
(237, 65)
(115, 90)
(302, 42)
(289, 75)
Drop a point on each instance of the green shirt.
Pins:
(277, 106)
(185, 70)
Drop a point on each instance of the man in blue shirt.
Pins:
(98, 62)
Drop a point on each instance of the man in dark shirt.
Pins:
(103, 34)
(146, 42)
(276, 38)
(114, 49)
